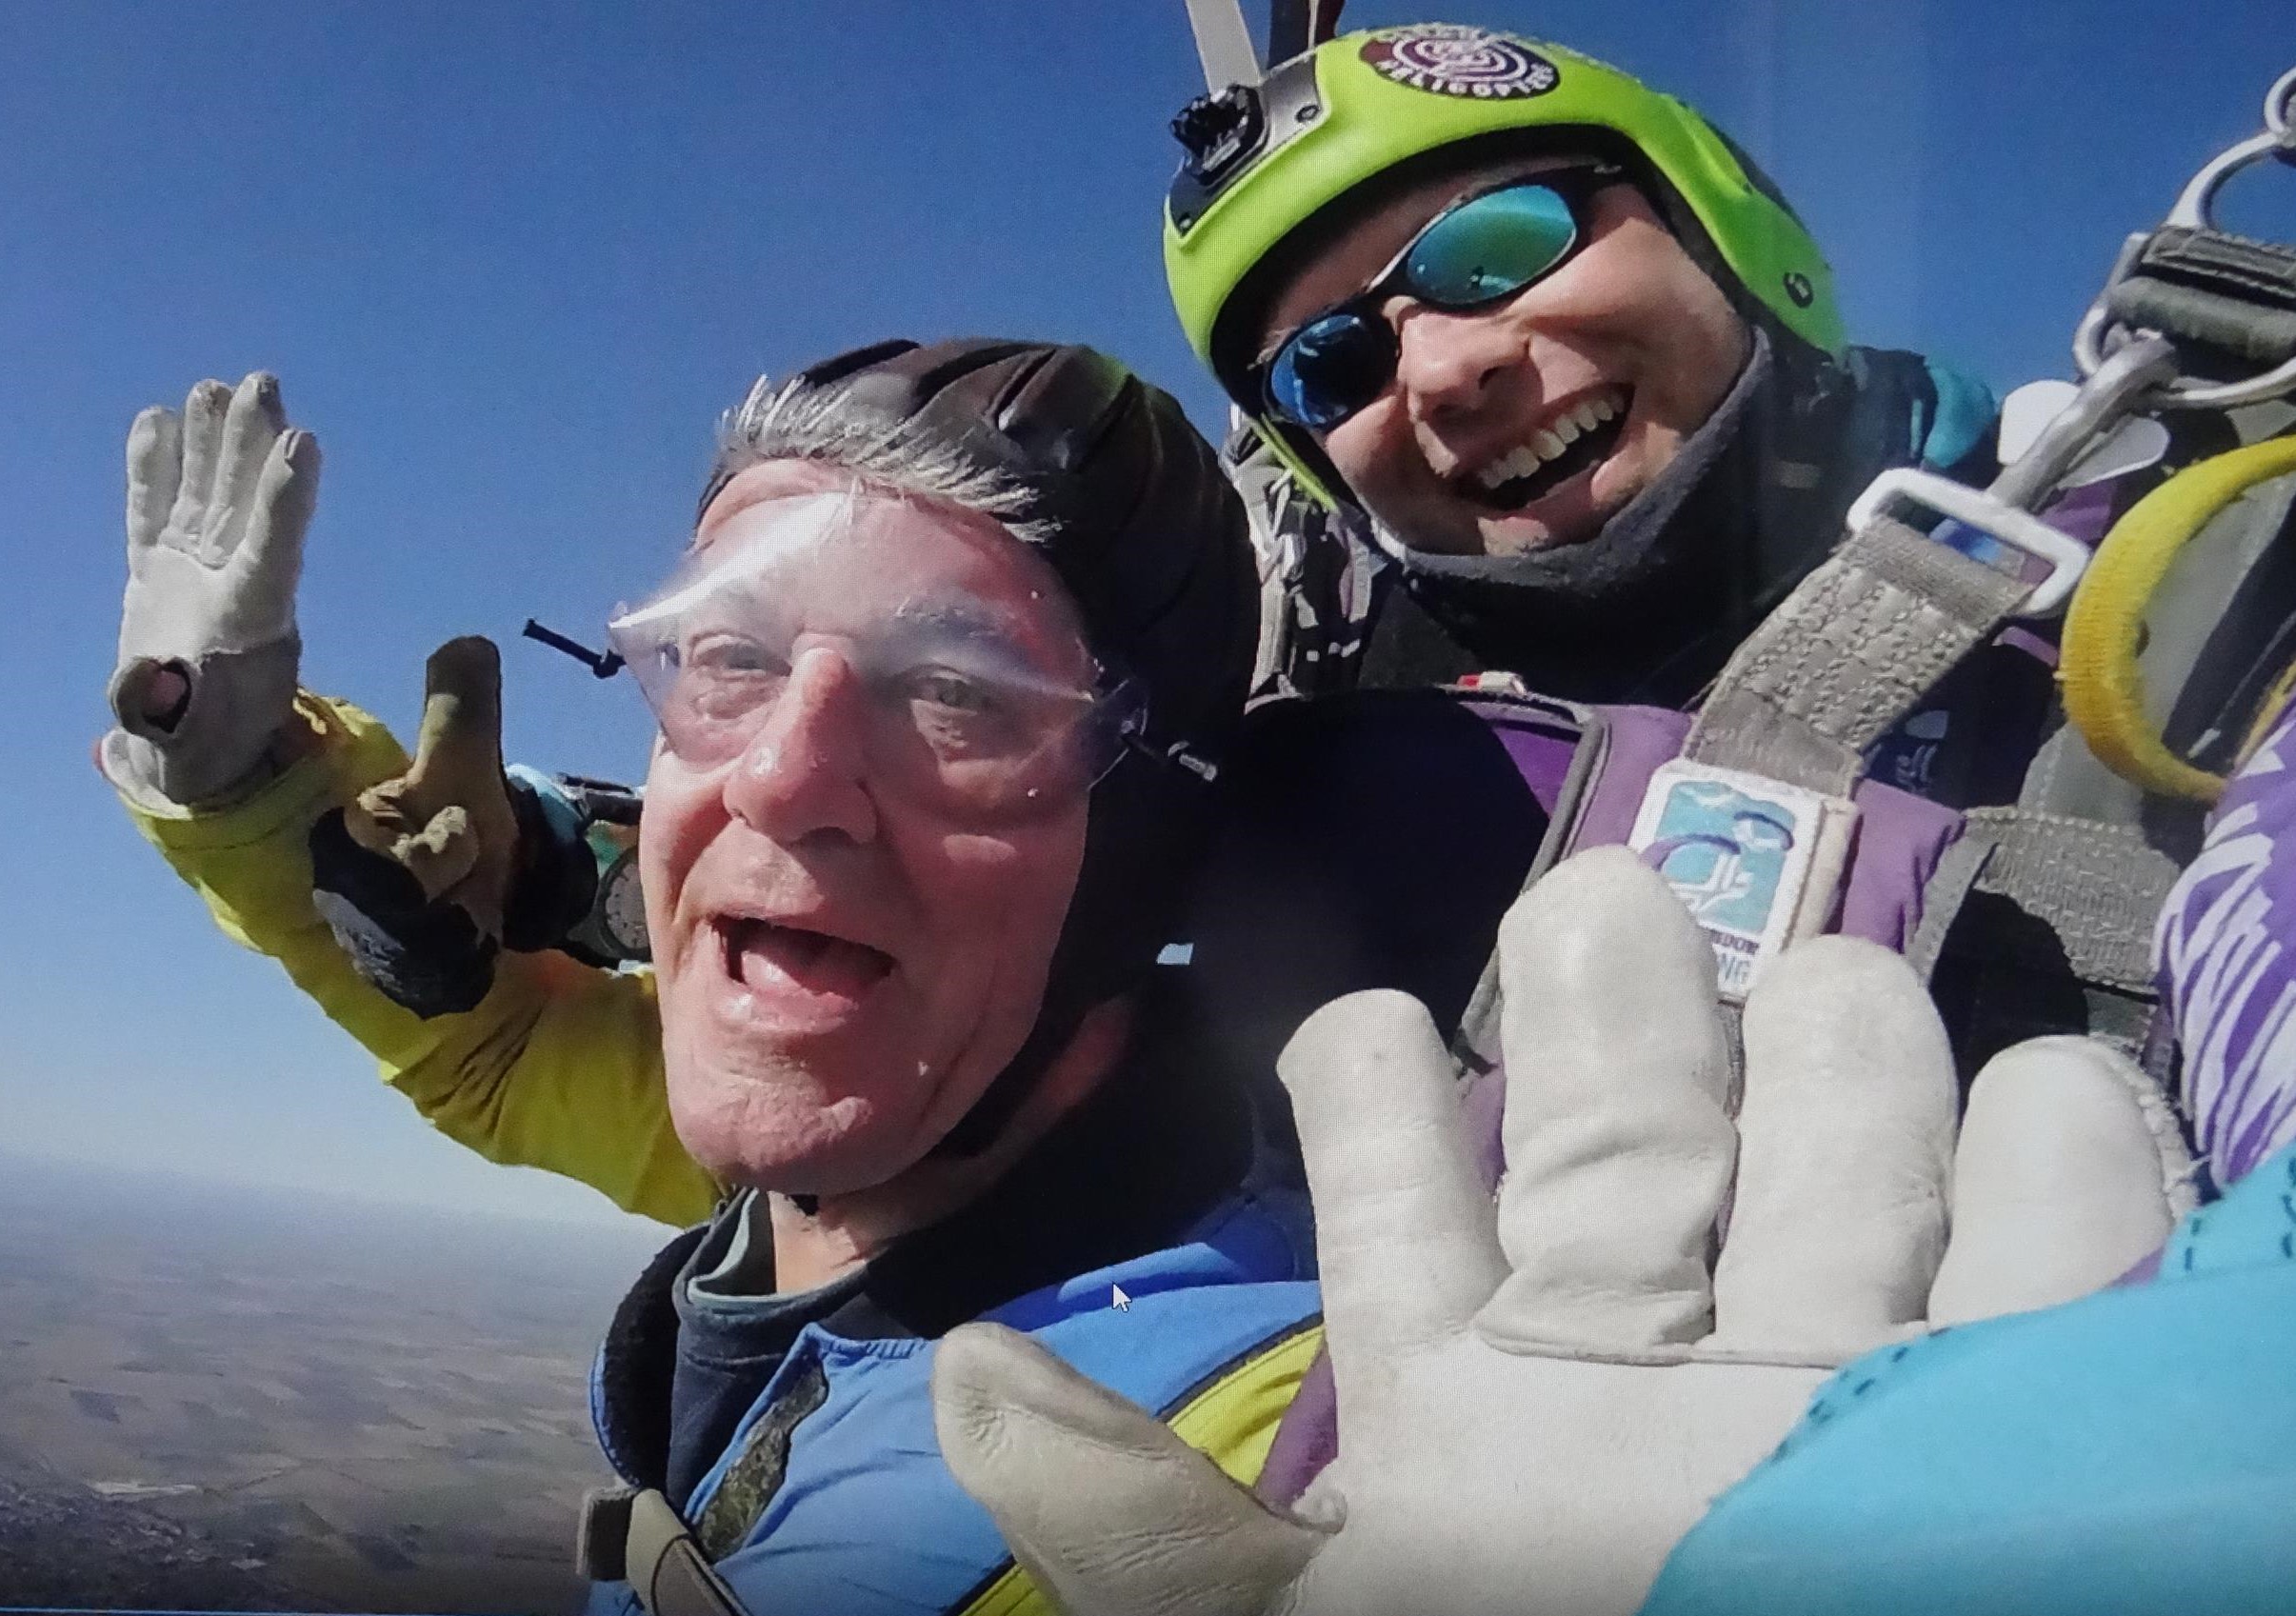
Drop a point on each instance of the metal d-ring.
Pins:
(2191, 212)
(2279, 109)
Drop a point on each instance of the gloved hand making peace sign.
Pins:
(1537, 1400)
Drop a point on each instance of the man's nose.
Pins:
(804, 773)
(1448, 364)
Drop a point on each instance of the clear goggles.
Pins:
(947, 651)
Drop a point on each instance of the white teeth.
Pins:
(1548, 443)
(1519, 461)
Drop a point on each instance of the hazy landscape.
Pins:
(226, 1399)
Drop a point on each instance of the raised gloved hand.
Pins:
(1536, 1401)
(449, 820)
(426, 877)
(218, 499)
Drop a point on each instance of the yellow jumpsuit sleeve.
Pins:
(559, 1067)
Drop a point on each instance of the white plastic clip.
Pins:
(1903, 486)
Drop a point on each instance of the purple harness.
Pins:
(1590, 787)
(1763, 796)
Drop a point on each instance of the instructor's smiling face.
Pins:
(848, 949)
(1530, 422)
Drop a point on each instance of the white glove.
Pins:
(218, 503)
(1536, 1403)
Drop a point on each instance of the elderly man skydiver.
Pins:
(941, 682)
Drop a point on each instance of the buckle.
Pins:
(1906, 487)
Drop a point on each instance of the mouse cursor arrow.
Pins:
(1118, 1300)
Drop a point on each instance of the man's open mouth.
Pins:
(764, 955)
(1574, 441)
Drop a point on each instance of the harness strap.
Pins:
(1848, 653)
(2224, 291)
(2060, 915)
(2099, 887)
(634, 1535)
(1475, 1045)
(1947, 889)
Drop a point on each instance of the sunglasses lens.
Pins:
(1330, 369)
(1492, 246)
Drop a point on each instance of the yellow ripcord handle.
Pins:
(2097, 661)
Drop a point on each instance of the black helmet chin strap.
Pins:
(994, 1110)
(1148, 818)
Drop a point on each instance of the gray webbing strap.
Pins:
(1476, 1043)
(2094, 888)
(634, 1535)
(1851, 651)
(2235, 296)
(2099, 887)
(1943, 894)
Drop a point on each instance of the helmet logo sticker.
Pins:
(1799, 288)
(1445, 59)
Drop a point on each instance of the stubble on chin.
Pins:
(766, 1129)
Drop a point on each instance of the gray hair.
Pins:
(794, 420)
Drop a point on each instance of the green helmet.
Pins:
(1264, 162)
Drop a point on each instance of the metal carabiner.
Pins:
(2279, 110)
(2191, 212)
(2278, 140)
(2139, 367)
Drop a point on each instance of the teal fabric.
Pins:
(2255, 1224)
(565, 820)
(2135, 1451)
(1964, 417)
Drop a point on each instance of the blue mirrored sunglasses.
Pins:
(1479, 250)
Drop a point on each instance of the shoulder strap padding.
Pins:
(634, 1535)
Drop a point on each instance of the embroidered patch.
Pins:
(755, 1475)
(1756, 860)
(1445, 59)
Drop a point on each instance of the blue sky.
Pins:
(512, 261)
